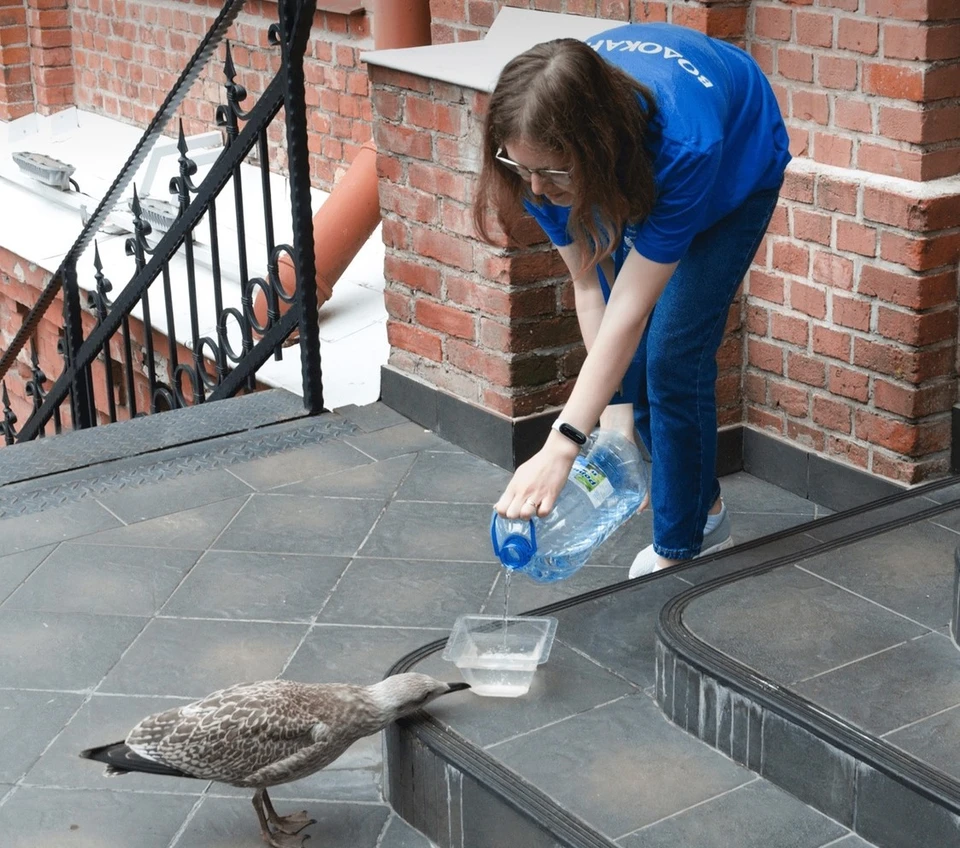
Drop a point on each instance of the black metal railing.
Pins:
(136, 378)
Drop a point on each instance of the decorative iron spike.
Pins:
(229, 71)
(135, 204)
(98, 299)
(181, 140)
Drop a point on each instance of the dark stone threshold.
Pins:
(508, 442)
(73, 450)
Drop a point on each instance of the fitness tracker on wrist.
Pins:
(571, 432)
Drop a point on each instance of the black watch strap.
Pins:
(571, 432)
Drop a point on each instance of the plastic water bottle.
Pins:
(604, 488)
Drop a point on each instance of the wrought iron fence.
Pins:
(135, 377)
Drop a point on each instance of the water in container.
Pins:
(605, 487)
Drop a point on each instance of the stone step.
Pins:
(604, 751)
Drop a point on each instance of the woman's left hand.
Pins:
(536, 484)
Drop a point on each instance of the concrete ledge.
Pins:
(477, 64)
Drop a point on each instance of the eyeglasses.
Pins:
(558, 178)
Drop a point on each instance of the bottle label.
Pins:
(591, 480)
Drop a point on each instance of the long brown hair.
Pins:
(563, 97)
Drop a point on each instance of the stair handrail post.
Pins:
(81, 390)
(296, 19)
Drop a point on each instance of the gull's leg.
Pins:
(257, 802)
(293, 823)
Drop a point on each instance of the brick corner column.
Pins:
(51, 54)
(16, 85)
(852, 302)
(489, 333)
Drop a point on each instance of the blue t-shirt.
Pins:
(717, 137)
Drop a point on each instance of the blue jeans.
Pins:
(672, 378)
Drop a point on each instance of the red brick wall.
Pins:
(468, 20)
(129, 54)
(852, 302)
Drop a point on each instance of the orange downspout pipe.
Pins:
(351, 213)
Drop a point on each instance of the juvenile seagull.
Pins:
(263, 734)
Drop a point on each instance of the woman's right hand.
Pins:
(536, 484)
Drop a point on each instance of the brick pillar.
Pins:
(852, 301)
(51, 54)
(480, 336)
(16, 88)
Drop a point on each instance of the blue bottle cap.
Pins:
(516, 550)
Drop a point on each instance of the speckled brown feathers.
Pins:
(262, 734)
(259, 734)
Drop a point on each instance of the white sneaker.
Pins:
(718, 539)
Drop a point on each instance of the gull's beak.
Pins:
(456, 687)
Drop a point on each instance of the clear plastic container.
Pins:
(499, 655)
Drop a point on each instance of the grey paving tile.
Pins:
(757, 815)
(817, 626)
(950, 520)
(934, 740)
(731, 562)
(400, 835)
(869, 692)
(14, 568)
(747, 526)
(372, 417)
(621, 766)
(191, 529)
(408, 593)
(91, 819)
(399, 439)
(869, 519)
(909, 570)
(100, 721)
(376, 480)
(414, 530)
(290, 524)
(566, 684)
(850, 841)
(53, 525)
(232, 823)
(945, 494)
(61, 650)
(620, 549)
(334, 653)
(454, 478)
(526, 594)
(617, 630)
(191, 658)
(742, 492)
(355, 776)
(292, 466)
(140, 503)
(103, 579)
(236, 585)
(28, 721)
